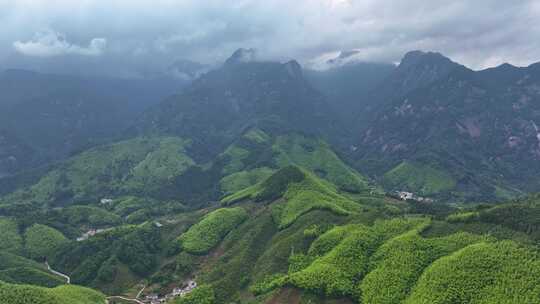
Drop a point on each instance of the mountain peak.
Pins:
(413, 58)
(294, 68)
(242, 56)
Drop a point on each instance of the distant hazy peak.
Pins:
(187, 69)
(294, 68)
(413, 58)
(242, 55)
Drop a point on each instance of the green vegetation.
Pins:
(200, 295)
(236, 155)
(42, 241)
(112, 260)
(9, 260)
(336, 272)
(206, 234)
(398, 263)
(462, 217)
(162, 164)
(502, 272)
(20, 270)
(318, 157)
(10, 239)
(301, 192)
(92, 216)
(242, 246)
(256, 154)
(139, 166)
(27, 294)
(257, 136)
(419, 178)
(296, 224)
(521, 216)
(29, 275)
(244, 179)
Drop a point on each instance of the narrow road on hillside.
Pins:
(140, 292)
(68, 279)
(125, 299)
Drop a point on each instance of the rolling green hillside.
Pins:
(161, 168)
(501, 272)
(42, 241)
(138, 166)
(301, 192)
(19, 270)
(11, 239)
(206, 234)
(418, 178)
(257, 154)
(27, 294)
(297, 238)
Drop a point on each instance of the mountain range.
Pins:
(50, 117)
(265, 182)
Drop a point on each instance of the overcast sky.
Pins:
(134, 36)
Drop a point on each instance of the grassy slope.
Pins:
(368, 264)
(17, 269)
(301, 192)
(138, 165)
(419, 178)
(41, 241)
(335, 272)
(502, 272)
(256, 155)
(10, 240)
(68, 294)
(317, 156)
(512, 219)
(398, 264)
(88, 215)
(206, 234)
(240, 180)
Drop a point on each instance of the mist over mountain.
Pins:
(242, 94)
(49, 117)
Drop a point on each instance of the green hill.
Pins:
(206, 234)
(418, 178)
(41, 241)
(482, 273)
(301, 192)
(257, 154)
(138, 166)
(68, 294)
(11, 240)
(19, 270)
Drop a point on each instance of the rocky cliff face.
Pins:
(480, 126)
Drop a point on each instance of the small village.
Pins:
(176, 292)
(409, 196)
(154, 298)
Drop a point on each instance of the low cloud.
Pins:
(144, 36)
(50, 43)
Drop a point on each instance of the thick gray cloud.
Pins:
(50, 43)
(134, 36)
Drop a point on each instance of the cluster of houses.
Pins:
(177, 292)
(409, 196)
